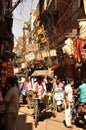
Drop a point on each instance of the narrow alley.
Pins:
(47, 122)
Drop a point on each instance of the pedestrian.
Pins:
(59, 87)
(49, 84)
(20, 83)
(29, 93)
(39, 88)
(58, 84)
(68, 103)
(23, 91)
(29, 84)
(11, 102)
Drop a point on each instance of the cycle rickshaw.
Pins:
(50, 104)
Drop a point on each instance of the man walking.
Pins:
(68, 102)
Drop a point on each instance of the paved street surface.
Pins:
(47, 122)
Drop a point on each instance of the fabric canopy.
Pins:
(44, 73)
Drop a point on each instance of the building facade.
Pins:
(61, 19)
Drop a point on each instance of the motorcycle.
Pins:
(81, 115)
(59, 99)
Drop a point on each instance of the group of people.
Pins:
(69, 102)
(10, 99)
(40, 90)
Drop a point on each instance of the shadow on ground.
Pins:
(45, 115)
(22, 125)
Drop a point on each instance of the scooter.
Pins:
(81, 115)
(59, 99)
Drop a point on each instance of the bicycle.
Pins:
(36, 111)
(38, 107)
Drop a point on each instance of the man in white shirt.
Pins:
(68, 101)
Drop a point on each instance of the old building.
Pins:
(55, 26)
(61, 20)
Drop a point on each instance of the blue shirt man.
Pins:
(82, 91)
(82, 97)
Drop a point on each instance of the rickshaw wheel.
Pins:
(36, 121)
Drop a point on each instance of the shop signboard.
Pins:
(49, 53)
(30, 57)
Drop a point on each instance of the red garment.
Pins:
(24, 85)
(42, 88)
(39, 89)
(77, 49)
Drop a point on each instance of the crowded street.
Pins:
(42, 64)
(47, 122)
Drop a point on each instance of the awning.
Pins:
(44, 73)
